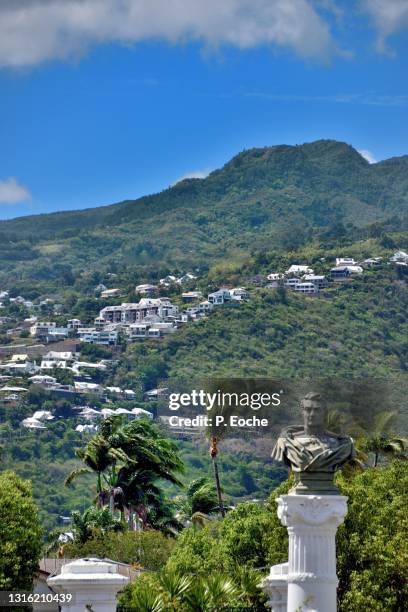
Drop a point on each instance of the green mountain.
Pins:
(276, 197)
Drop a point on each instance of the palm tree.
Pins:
(380, 439)
(199, 502)
(374, 436)
(129, 459)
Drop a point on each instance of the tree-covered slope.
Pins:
(278, 196)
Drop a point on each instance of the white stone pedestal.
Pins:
(312, 522)
(93, 584)
(276, 587)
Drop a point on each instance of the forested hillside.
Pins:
(278, 197)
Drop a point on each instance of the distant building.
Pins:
(238, 294)
(146, 289)
(219, 297)
(290, 283)
(110, 293)
(307, 288)
(299, 270)
(94, 336)
(345, 261)
(191, 296)
(319, 281)
(340, 273)
(74, 324)
(133, 313)
(400, 257)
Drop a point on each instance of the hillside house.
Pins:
(185, 278)
(57, 333)
(340, 273)
(87, 387)
(345, 261)
(400, 257)
(219, 297)
(319, 281)
(59, 356)
(93, 336)
(191, 296)
(371, 262)
(238, 294)
(42, 329)
(149, 330)
(99, 288)
(134, 313)
(148, 290)
(167, 280)
(275, 276)
(299, 270)
(355, 270)
(110, 293)
(290, 283)
(74, 324)
(307, 287)
(100, 322)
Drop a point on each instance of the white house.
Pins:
(74, 324)
(275, 276)
(400, 256)
(59, 356)
(299, 270)
(110, 293)
(94, 336)
(291, 283)
(168, 280)
(146, 289)
(238, 294)
(219, 297)
(345, 261)
(42, 329)
(185, 278)
(86, 387)
(307, 287)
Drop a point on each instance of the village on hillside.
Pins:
(57, 357)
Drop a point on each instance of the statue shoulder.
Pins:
(291, 431)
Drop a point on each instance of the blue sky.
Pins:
(125, 98)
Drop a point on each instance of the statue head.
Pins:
(314, 412)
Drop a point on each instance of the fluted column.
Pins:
(312, 522)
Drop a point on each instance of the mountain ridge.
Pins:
(273, 197)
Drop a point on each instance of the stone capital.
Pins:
(323, 511)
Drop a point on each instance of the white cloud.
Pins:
(198, 174)
(389, 17)
(33, 31)
(13, 193)
(367, 155)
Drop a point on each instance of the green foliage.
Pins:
(173, 592)
(276, 197)
(372, 552)
(20, 533)
(148, 549)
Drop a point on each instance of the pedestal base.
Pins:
(312, 522)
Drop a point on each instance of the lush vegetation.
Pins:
(20, 533)
(371, 560)
(279, 197)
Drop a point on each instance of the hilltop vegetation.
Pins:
(276, 197)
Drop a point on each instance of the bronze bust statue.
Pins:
(311, 452)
